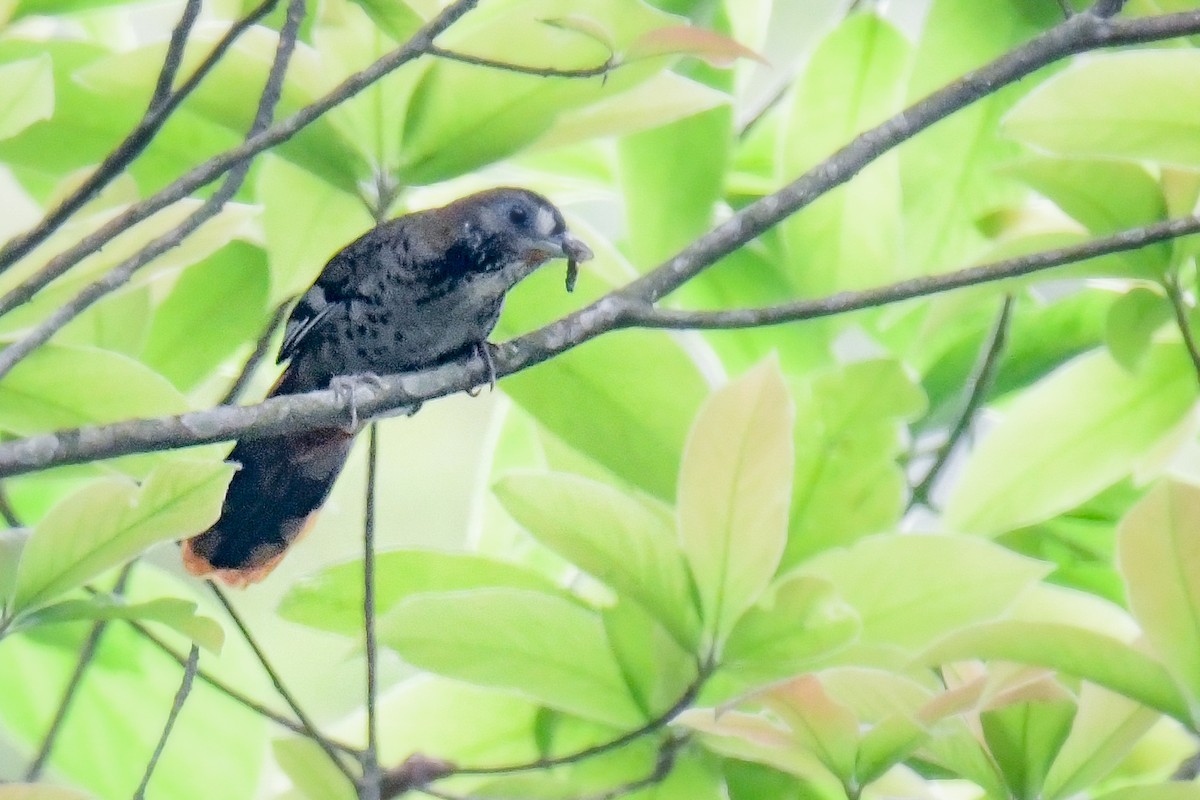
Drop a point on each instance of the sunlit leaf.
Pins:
(26, 94)
(179, 615)
(111, 520)
(718, 50)
(734, 490)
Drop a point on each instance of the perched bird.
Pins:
(423, 289)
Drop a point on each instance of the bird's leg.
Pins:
(484, 351)
(344, 387)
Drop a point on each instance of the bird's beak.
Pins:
(565, 245)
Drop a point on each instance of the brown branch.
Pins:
(174, 57)
(1180, 308)
(301, 412)
(218, 165)
(121, 274)
(643, 315)
(608, 66)
(161, 108)
(977, 388)
(185, 687)
(369, 786)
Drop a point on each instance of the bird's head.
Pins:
(505, 234)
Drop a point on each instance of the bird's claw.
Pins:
(484, 351)
(344, 386)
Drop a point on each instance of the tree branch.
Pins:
(369, 786)
(977, 389)
(257, 356)
(544, 72)
(1180, 308)
(159, 111)
(185, 687)
(121, 274)
(217, 166)
(174, 56)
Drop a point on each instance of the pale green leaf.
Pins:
(1024, 738)
(1163, 791)
(1135, 104)
(1100, 659)
(622, 540)
(828, 246)
(801, 623)
(12, 542)
(923, 573)
(177, 614)
(26, 94)
(533, 643)
(1132, 321)
(818, 723)
(734, 488)
(40, 791)
(312, 774)
(1105, 729)
(1074, 434)
(111, 520)
(1158, 554)
(331, 600)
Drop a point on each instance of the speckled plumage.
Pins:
(420, 290)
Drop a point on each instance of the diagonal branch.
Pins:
(1179, 307)
(162, 105)
(217, 166)
(300, 412)
(185, 688)
(604, 68)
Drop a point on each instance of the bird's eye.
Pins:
(518, 215)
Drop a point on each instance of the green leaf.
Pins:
(26, 94)
(111, 520)
(1024, 738)
(1162, 791)
(849, 435)
(655, 668)
(12, 542)
(215, 306)
(818, 723)
(312, 774)
(1104, 197)
(1074, 434)
(962, 151)
(734, 487)
(830, 247)
(331, 600)
(1136, 105)
(803, 622)
(537, 644)
(1132, 321)
(34, 397)
(921, 572)
(622, 540)
(1158, 553)
(40, 791)
(640, 387)
(1103, 732)
(1101, 659)
(178, 615)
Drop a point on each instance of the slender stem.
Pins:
(1179, 306)
(120, 275)
(977, 389)
(218, 165)
(185, 686)
(86, 655)
(368, 788)
(233, 694)
(277, 681)
(261, 349)
(7, 513)
(124, 153)
(174, 57)
(545, 72)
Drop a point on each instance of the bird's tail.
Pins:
(272, 500)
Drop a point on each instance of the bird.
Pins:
(420, 290)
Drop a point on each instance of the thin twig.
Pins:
(369, 786)
(233, 694)
(86, 654)
(310, 728)
(261, 349)
(977, 389)
(664, 762)
(120, 275)
(301, 412)
(543, 72)
(1179, 306)
(185, 686)
(116, 161)
(174, 57)
(7, 513)
(220, 164)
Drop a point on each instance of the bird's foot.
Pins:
(344, 387)
(485, 350)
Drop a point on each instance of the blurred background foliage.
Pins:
(728, 511)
